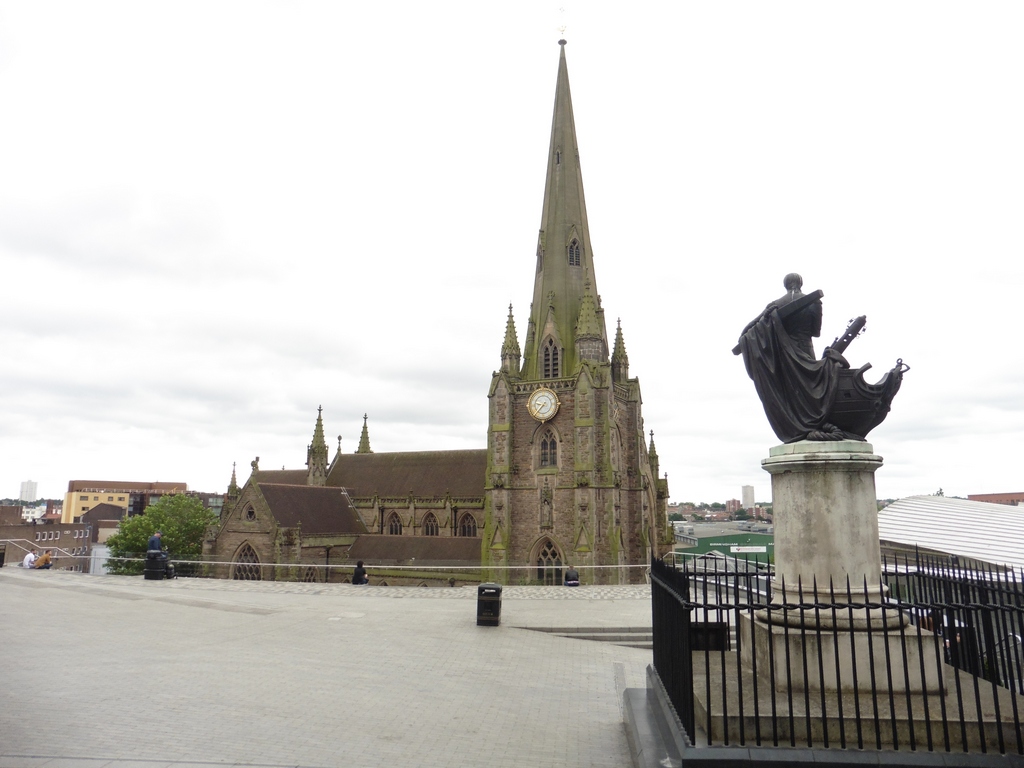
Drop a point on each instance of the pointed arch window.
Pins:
(574, 253)
(549, 564)
(467, 525)
(548, 449)
(247, 565)
(430, 527)
(551, 369)
(394, 524)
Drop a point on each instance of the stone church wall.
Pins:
(237, 530)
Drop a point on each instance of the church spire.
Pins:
(652, 456)
(233, 485)
(316, 454)
(364, 439)
(564, 263)
(589, 331)
(510, 353)
(620, 360)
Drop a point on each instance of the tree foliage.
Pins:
(183, 521)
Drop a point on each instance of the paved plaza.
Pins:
(122, 672)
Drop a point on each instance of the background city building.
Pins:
(1013, 499)
(69, 544)
(28, 491)
(132, 497)
(747, 493)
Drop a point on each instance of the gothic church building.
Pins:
(567, 476)
(570, 477)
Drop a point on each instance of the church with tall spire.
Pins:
(570, 478)
(566, 478)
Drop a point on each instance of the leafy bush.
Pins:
(183, 520)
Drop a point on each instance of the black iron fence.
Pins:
(929, 658)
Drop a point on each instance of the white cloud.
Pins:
(214, 218)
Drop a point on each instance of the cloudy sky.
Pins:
(215, 217)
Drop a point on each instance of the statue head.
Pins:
(793, 282)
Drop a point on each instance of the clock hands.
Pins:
(543, 405)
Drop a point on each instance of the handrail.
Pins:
(35, 545)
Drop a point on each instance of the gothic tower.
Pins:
(316, 454)
(569, 480)
(364, 438)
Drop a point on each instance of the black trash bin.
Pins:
(156, 565)
(488, 605)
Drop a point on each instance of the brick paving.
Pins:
(120, 672)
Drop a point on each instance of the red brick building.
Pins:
(1012, 499)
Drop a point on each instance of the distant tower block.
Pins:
(28, 491)
(747, 495)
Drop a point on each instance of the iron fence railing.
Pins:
(928, 658)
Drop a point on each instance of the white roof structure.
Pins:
(993, 533)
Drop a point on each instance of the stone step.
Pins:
(590, 630)
(647, 645)
(610, 637)
(629, 637)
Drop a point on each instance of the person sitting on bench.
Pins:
(359, 574)
(572, 577)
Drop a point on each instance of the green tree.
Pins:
(183, 520)
(672, 516)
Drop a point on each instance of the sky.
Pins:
(217, 216)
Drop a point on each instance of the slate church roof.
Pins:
(281, 476)
(427, 474)
(319, 510)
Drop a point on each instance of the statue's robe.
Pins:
(796, 390)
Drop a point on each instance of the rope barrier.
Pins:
(350, 566)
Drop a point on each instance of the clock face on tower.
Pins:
(543, 404)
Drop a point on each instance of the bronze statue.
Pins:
(806, 398)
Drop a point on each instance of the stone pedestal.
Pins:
(875, 661)
(826, 551)
(826, 526)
